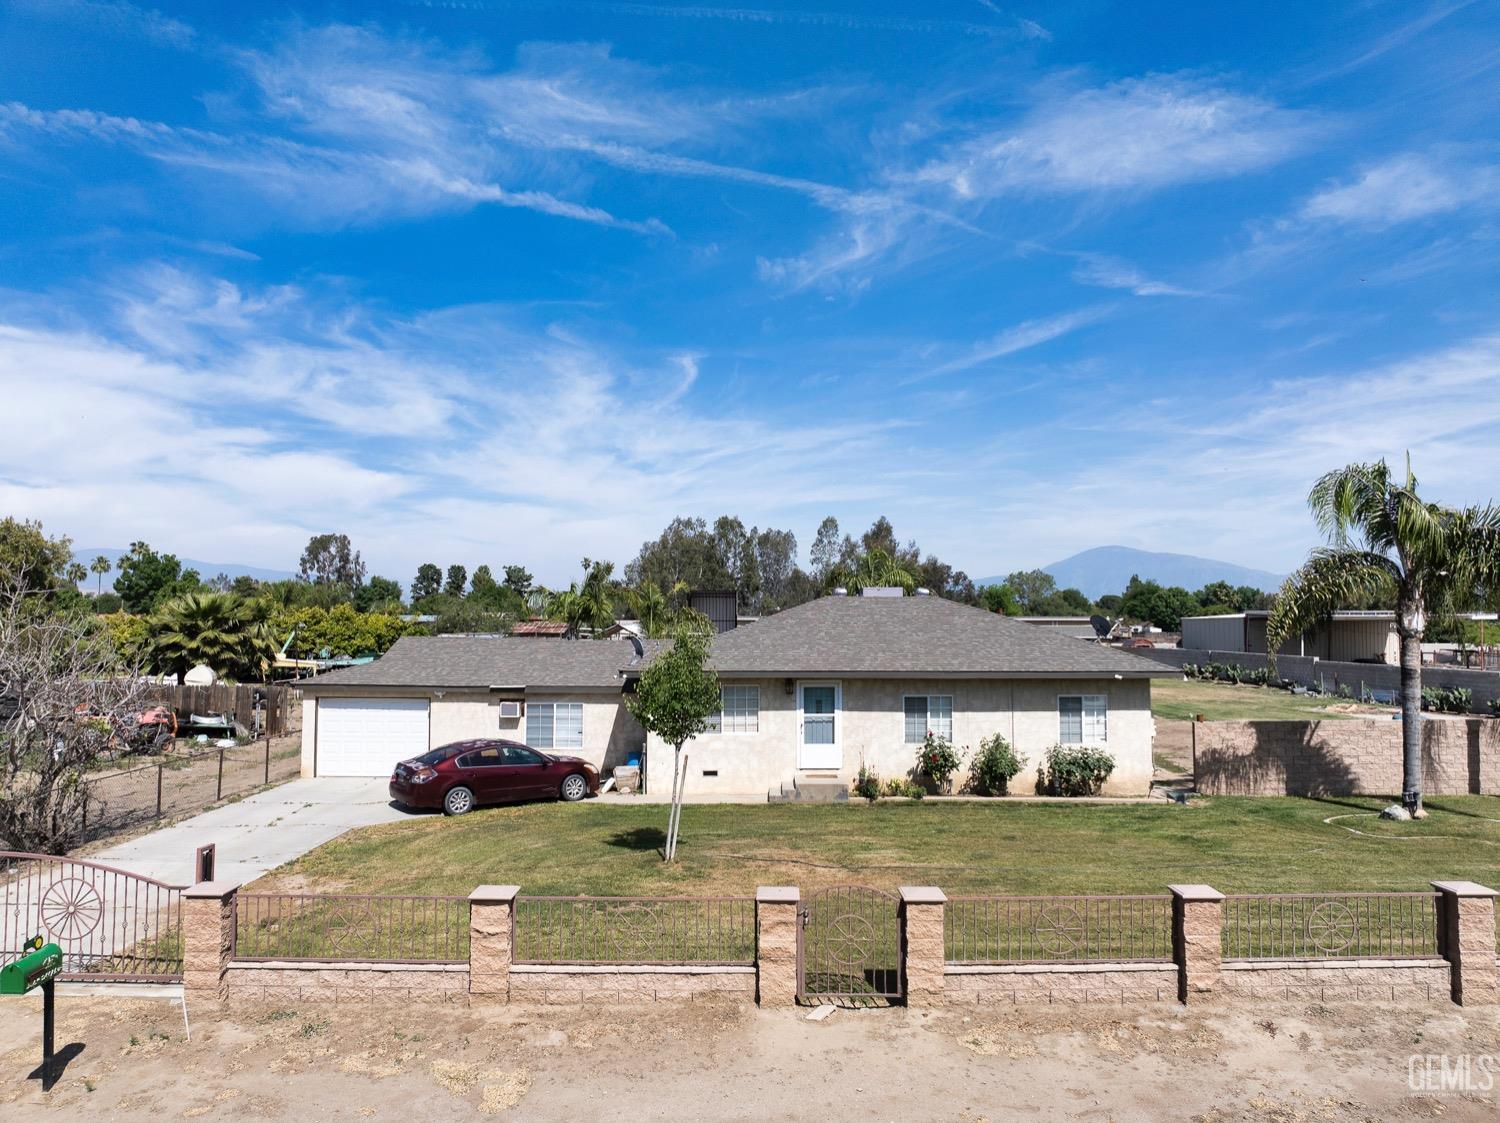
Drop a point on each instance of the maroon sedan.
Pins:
(461, 776)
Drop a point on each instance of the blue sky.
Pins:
(498, 282)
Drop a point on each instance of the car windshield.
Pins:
(436, 756)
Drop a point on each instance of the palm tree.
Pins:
(650, 606)
(567, 606)
(1383, 536)
(76, 573)
(875, 568)
(228, 633)
(598, 594)
(100, 566)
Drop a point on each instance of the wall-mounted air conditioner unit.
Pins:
(510, 710)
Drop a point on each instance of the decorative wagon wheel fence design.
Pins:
(112, 925)
(849, 947)
(70, 910)
(1061, 931)
(1332, 927)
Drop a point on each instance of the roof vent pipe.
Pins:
(922, 592)
(840, 591)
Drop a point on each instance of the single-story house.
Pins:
(813, 691)
(1350, 636)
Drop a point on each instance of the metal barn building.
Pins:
(1349, 637)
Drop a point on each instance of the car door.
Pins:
(527, 772)
(483, 770)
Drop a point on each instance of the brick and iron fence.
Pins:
(1192, 944)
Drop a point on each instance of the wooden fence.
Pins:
(279, 705)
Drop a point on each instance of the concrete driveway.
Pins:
(258, 833)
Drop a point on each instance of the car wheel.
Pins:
(574, 788)
(458, 801)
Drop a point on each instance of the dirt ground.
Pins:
(306, 1062)
(126, 800)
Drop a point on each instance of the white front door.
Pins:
(821, 713)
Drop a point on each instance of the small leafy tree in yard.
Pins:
(867, 783)
(65, 699)
(674, 699)
(995, 766)
(937, 759)
(1074, 770)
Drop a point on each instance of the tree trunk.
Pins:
(666, 850)
(1411, 721)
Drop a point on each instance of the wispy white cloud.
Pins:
(1405, 187)
(1021, 337)
(1112, 273)
(294, 409)
(116, 15)
(1014, 27)
(1137, 134)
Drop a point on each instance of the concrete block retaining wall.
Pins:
(576, 986)
(1318, 758)
(1365, 980)
(1108, 984)
(348, 982)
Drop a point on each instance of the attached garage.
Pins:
(368, 736)
(434, 690)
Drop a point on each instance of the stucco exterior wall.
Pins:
(609, 730)
(873, 730)
(309, 735)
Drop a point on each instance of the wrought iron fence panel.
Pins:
(112, 925)
(650, 931)
(1086, 929)
(337, 927)
(1331, 926)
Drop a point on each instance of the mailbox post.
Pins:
(39, 967)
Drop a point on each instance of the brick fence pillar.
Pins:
(1466, 939)
(492, 925)
(207, 939)
(777, 924)
(1197, 939)
(922, 908)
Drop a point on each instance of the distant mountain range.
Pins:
(206, 570)
(1107, 569)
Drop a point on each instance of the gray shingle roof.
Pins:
(916, 636)
(919, 637)
(454, 662)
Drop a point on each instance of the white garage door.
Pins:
(367, 736)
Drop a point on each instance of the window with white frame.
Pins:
(554, 725)
(928, 713)
(739, 710)
(1083, 719)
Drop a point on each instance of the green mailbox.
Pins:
(32, 970)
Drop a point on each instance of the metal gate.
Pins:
(112, 925)
(849, 946)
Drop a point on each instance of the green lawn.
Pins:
(1243, 845)
(1222, 701)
